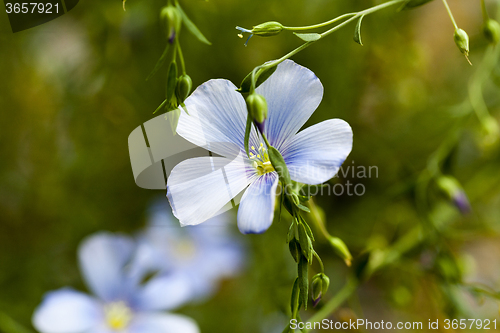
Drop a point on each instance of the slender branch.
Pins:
(309, 27)
(450, 14)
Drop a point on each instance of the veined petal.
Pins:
(292, 93)
(256, 211)
(217, 118)
(162, 323)
(102, 259)
(315, 154)
(199, 187)
(165, 292)
(67, 311)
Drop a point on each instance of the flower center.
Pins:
(260, 160)
(118, 315)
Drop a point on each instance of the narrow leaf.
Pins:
(247, 81)
(295, 299)
(192, 27)
(247, 133)
(308, 37)
(161, 105)
(159, 63)
(357, 31)
(303, 280)
(171, 80)
(410, 4)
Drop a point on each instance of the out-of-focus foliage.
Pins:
(73, 89)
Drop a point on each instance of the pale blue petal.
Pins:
(102, 259)
(256, 210)
(217, 118)
(67, 311)
(165, 292)
(198, 188)
(162, 323)
(292, 93)
(315, 154)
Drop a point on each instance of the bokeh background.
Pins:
(73, 89)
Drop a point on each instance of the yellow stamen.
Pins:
(118, 315)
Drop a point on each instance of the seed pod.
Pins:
(257, 107)
(491, 30)
(172, 20)
(183, 88)
(267, 29)
(462, 40)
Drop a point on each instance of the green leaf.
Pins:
(295, 299)
(159, 63)
(305, 242)
(171, 80)
(191, 26)
(302, 207)
(247, 133)
(279, 165)
(295, 251)
(303, 280)
(308, 37)
(410, 4)
(247, 81)
(357, 31)
(161, 105)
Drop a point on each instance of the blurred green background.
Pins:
(73, 89)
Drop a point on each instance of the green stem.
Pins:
(326, 33)
(319, 261)
(450, 14)
(309, 27)
(181, 56)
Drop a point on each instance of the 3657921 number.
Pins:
(470, 324)
(31, 8)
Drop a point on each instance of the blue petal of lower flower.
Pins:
(162, 323)
(67, 311)
(256, 210)
(315, 155)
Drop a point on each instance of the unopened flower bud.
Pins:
(183, 88)
(454, 191)
(319, 286)
(267, 29)
(172, 20)
(462, 40)
(491, 132)
(257, 107)
(491, 30)
(341, 249)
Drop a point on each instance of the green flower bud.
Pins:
(491, 30)
(490, 131)
(267, 29)
(319, 286)
(452, 189)
(341, 249)
(257, 107)
(183, 88)
(462, 40)
(172, 19)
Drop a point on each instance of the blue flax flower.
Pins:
(203, 254)
(121, 303)
(199, 188)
